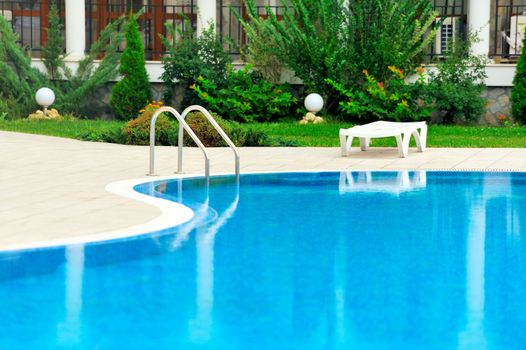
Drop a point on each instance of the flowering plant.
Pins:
(393, 99)
(137, 131)
(152, 107)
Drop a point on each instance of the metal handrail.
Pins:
(215, 125)
(182, 124)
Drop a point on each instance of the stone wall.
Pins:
(498, 106)
(99, 106)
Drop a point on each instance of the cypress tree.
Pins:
(133, 92)
(518, 93)
(53, 51)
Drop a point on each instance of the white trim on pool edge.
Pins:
(173, 214)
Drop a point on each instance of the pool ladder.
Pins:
(183, 125)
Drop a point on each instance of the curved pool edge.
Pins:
(174, 214)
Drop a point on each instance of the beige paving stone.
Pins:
(475, 164)
(53, 188)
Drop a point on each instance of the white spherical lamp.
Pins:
(313, 103)
(45, 97)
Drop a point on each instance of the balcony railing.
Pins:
(231, 30)
(151, 23)
(29, 18)
(508, 24)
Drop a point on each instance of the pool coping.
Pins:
(174, 214)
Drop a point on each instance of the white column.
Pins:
(207, 12)
(75, 29)
(273, 3)
(478, 22)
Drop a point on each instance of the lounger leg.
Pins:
(403, 144)
(349, 143)
(345, 142)
(364, 143)
(421, 138)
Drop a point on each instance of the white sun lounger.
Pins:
(401, 131)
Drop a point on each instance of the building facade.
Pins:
(500, 26)
(499, 23)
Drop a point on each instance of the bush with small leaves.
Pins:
(457, 83)
(205, 131)
(246, 97)
(250, 137)
(188, 57)
(109, 135)
(393, 99)
(137, 131)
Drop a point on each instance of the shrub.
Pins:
(246, 97)
(19, 80)
(250, 137)
(260, 54)
(137, 131)
(240, 136)
(457, 83)
(110, 135)
(130, 94)
(393, 100)
(320, 39)
(15, 108)
(188, 58)
(205, 131)
(518, 93)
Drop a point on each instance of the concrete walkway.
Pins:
(54, 188)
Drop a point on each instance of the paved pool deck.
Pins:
(53, 189)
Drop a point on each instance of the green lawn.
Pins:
(323, 135)
(326, 135)
(67, 128)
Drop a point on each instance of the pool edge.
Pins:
(174, 214)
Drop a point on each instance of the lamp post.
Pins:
(313, 103)
(45, 98)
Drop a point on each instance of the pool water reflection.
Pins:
(361, 260)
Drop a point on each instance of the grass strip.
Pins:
(319, 135)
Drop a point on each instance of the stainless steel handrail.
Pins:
(215, 125)
(182, 124)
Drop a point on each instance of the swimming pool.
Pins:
(350, 260)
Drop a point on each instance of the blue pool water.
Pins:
(291, 261)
